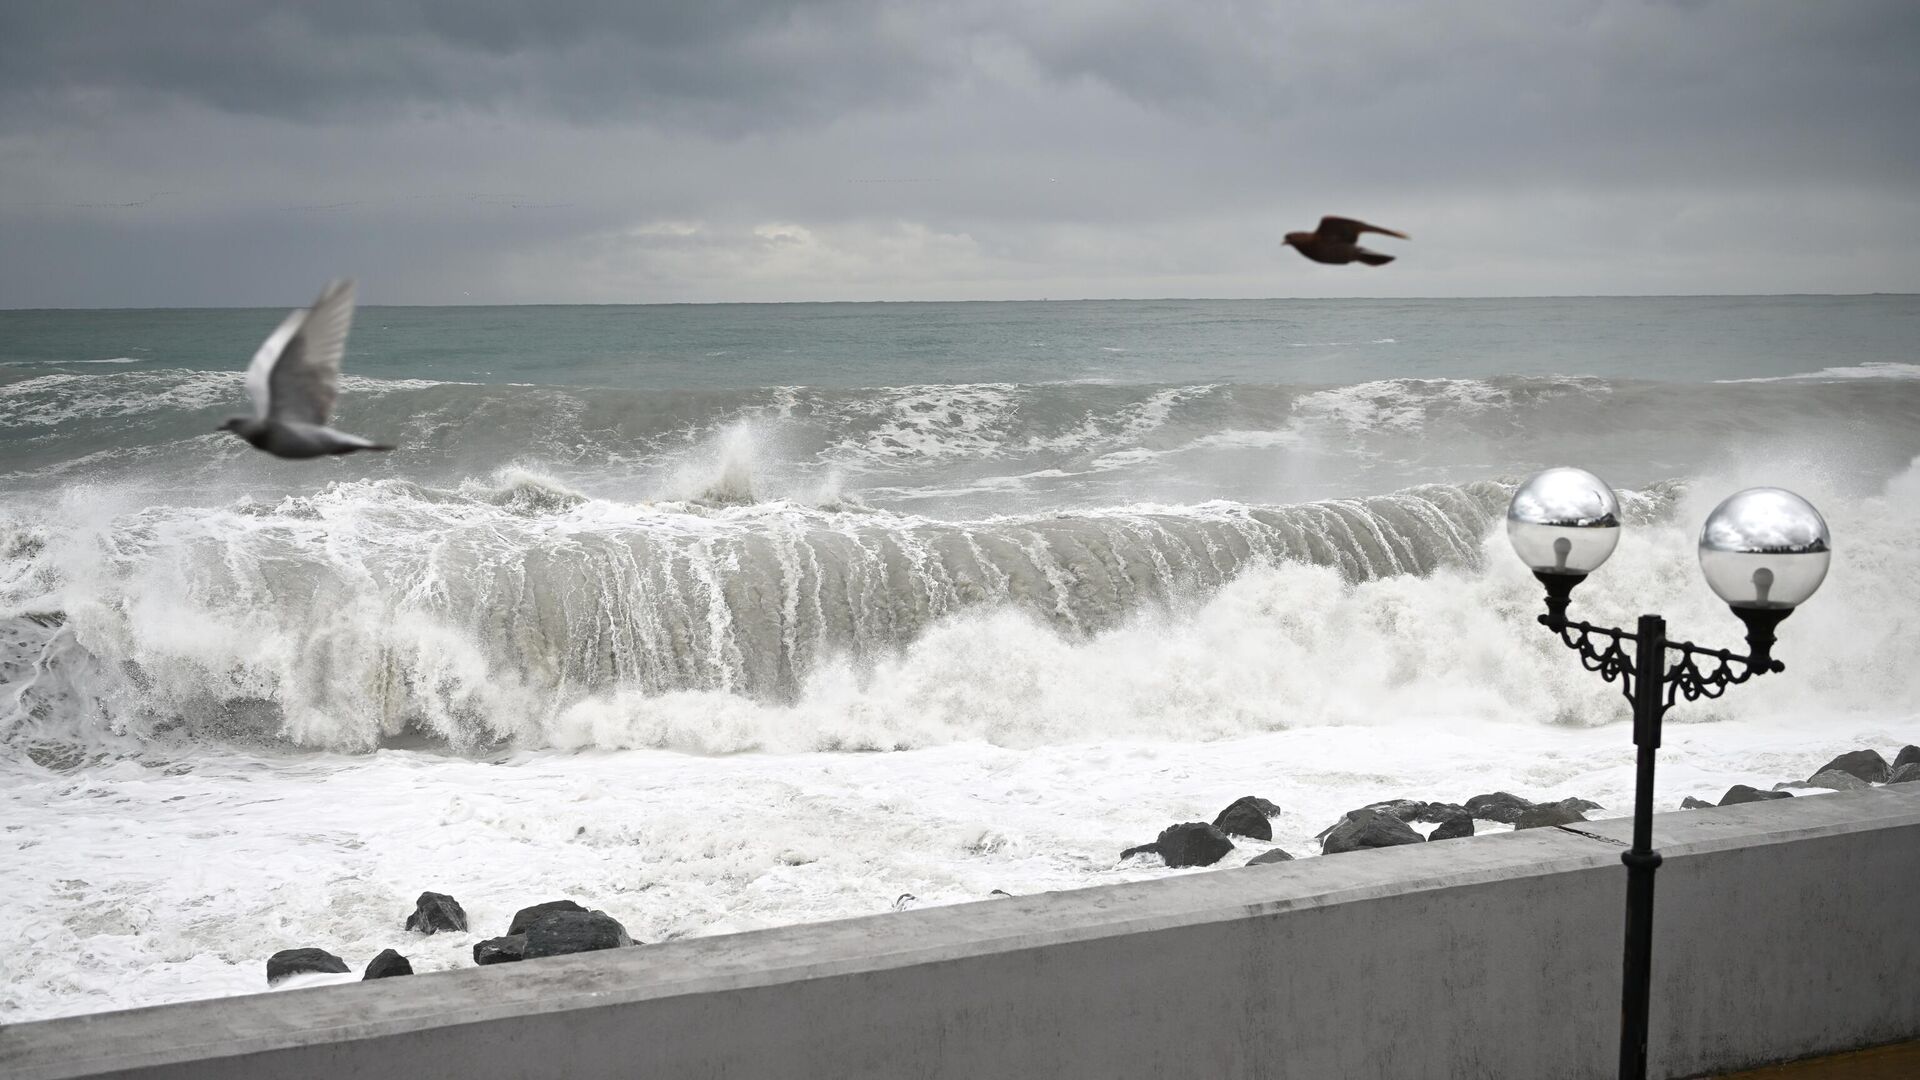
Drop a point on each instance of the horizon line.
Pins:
(1026, 300)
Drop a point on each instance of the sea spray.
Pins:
(372, 609)
(370, 612)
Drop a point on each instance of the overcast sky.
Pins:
(234, 152)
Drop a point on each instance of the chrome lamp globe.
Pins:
(1564, 523)
(1763, 550)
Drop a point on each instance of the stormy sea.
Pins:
(725, 617)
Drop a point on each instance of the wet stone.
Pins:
(287, 963)
(559, 933)
(1865, 765)
(1741, 793)
(500, 950)
(387, 965)
(1368, 829)
(1248, 816)
(434, 912)
(527, 916)
(1549, 815)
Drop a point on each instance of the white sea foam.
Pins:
(51, 400)
(655, 694)
(1871, 370)
(937, 422)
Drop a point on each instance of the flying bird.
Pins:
(294, 379)
(1336, 241)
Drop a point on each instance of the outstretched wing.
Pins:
(260, 372)
(304, 381)
(1347, 230)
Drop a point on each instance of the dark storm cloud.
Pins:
(729, 64)
(223, 152)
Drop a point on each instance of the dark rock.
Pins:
(434, 912)
(1368, 829)
(1835, 780)
(290, 962)
(1908, 755)
(1247, 816)
(1192, 843)
(1905, 774)
(1577, 805)
(1691, 803)
(1265, 857)
(1403, 809)
(1439, 813)
(1504, 807)
(387, 965)
(1398, 809)
(1453, 828)
(1867, 765)
(558, 933)
(1548, 814)
(1741, 793)
(500, 950)
(526, 916)
(999, 894)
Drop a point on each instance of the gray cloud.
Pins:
(229, 153)
(723, 64)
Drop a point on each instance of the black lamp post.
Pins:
(1763, 550)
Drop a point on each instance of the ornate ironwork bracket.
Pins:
(1605, 649)
(1613, 661)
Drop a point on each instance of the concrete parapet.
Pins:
(1782, 930)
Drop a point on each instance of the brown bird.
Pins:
(1335, 241)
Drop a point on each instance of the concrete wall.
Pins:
(1783, 929)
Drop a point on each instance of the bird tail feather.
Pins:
(1373, 258)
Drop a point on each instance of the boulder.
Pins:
(1404, 809)
(1247, 816)
(1368, 829)
(1865, 765)
(1398, 809)
(1453, 828)
(1577, 805)
(1691, 803)
(1192, 843)
(1143, 849)
(1905, 774)
(500, 950)
(1504, 807)
(558, 933)
(1741, 793)
(1265, 857)
(1908, 755)
(526, 916)
(1439, 813)
(287, 963)
(387, 965)
(434, 912)
(1549, 814)
(1835, 780)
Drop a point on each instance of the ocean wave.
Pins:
(1869, 370)
(520, 611)
(375, 608)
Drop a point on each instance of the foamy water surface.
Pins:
(717, 655)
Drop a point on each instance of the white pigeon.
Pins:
(294, 379)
